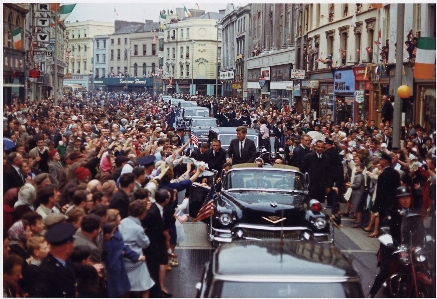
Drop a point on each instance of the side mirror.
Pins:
(307, 179)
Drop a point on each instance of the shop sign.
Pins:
(321, 76)
(236, 85)
(124, 81)
(313, 84)
(359, 96)
(182, 82)
(297, 74)
(360, 74)
(296, 91)
(284, 85)
(344, 82)
(265, 73)
(227, 75)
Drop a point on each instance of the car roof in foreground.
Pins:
(303, 261)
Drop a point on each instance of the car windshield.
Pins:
(226, 138)
(203, 123)
(196, 112)
(231, 289)
(264, 179)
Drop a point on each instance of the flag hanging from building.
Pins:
(195, 140)
(55, 6)
(162, 19)
(16, 38)
(425, 58)
(116, 13)
(66, 10)
(207, 208)
(197, 5)
(354, 20)
(154, 39)
(187, 13)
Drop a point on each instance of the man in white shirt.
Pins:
(48, 198)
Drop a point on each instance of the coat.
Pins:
(298, 154)
(120, 201)
(117, 279)
(357, 191)
(54, 171)
(216, 161)
(12, 179)
(134, 236)
(53, 280)
(388, 181)
(248, 154)
(318, 170)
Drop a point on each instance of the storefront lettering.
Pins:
(136, 81)
(341, 86)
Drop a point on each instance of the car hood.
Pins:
(254, 207)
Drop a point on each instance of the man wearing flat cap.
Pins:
(56, 276)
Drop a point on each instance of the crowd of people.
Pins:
(91, 186)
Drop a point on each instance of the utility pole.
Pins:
(55, 58)
(398, 73)
(216, 65)
(192, 69)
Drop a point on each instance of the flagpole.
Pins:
(55, 88)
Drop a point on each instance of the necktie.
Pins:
(241, 147)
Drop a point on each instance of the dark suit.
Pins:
(298, 155)
(216, 161)
(156, 252)
(388, 181)
(388, 141)
(53, 280)
(198, 156)
(318, 170)
(422, 147)
(248, 154)
(120, 201)
(12, 179)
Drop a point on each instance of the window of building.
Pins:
(85, 48)
(104, 58)
(182, 53)
(97, 44)
(72, 66)
(182, 33)
(84, 33)
(330, 43)
(153, 49)
(97, 58)
(182, 70)
(72, 33)
(118, 41)
(187, 52)
(172, 70)
(118, 54)
(369, 48)
(125, 54)
(144, 50)
(317, 14)
(104, 44)
(343, 47)
(78, 48)
(96, 73)
(78, 67)
(112, 69)
(168, 53)
(188, 33)
(103, 72)
(386, 21)
(144, 69)
(345, 9)
(135, 70)
(125, 40)
(118, 70)
(188, 71)
(153, 68)
(357, 47)
(78, 33)
(331, 12)
(112, 55)
(135, 50)
(173, 53)
(72, 48)
(125, 71)
(306, 17)
(112, 41)
(418, 18)
(173, 35)
(84, 66)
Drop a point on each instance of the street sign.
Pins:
(297, 74)
(262, 81)
(50, 48)
(52, 40)
(43, 37)
(34, 73)
(359, 96)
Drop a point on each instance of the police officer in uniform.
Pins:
(56, 275)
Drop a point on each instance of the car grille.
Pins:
(260, 234)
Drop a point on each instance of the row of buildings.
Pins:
(227, 52)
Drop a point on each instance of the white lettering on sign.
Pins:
(297, 74)
(136, 81)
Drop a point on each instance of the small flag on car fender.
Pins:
(181, 217)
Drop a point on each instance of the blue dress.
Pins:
(117, 280)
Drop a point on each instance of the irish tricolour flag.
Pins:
(425, 58)
(16, 37)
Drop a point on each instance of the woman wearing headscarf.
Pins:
(25, 203)
(106, 167)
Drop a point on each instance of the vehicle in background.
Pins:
(226, 134)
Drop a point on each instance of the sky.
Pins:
(134, 11)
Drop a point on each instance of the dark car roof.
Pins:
(294, 261)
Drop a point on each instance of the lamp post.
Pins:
(216, 65)
(192, 67)
(128, 67)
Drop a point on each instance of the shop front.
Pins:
(344, 90)
(226, 78)
(84, 80)
(322, 100)
(379, 87)
(425, 99)
(362, 94)
(253, 87)
(129, 84)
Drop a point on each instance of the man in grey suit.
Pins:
(241, 150)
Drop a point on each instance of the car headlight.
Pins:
(320, 223)
(225, 218)
(419, 254)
